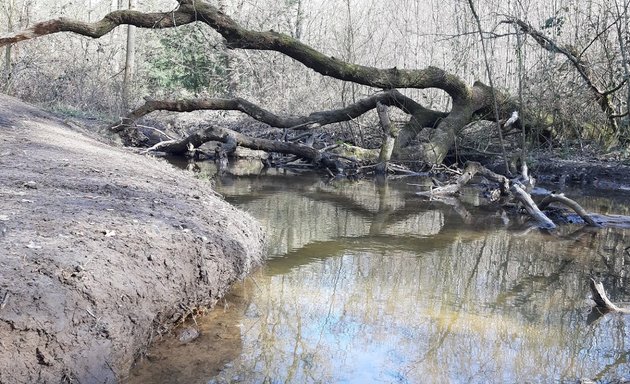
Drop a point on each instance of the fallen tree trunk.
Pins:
(466, 102)
(224, 135)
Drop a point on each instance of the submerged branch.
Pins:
(601, 299)
(521, 195)
(560, 198)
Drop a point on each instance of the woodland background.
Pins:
(86, 77)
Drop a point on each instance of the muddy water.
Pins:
(367, 282)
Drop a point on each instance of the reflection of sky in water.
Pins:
(388, 290)
(345, 328)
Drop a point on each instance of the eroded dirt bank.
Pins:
(100, 247)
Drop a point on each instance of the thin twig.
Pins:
(495, 102)
(90, 313)
(155, 129)
(5, 300)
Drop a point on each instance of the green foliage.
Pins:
(188, 60)
(557, 21)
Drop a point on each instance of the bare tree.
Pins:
(8, 9)
(130, 60)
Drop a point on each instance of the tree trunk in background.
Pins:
(298, 21)
(345, 86)
(6, 73)
(130, 61)
(622, 32)
(7, 70)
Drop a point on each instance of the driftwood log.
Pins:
(517, 190)
(231, 139)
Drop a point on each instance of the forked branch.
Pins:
(313, 120)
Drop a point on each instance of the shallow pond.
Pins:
(367, 282)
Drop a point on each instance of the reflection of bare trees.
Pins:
(445, 307)
(368, 273)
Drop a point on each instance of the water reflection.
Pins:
(369, 283)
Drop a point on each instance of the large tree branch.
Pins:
(313, 120)
(103, 26)
(466, 100)
(238, 37)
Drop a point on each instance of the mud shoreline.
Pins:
(102, 249)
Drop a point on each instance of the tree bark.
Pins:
(314, 120)
(6, 73)
(224, 135)
(390, 132)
